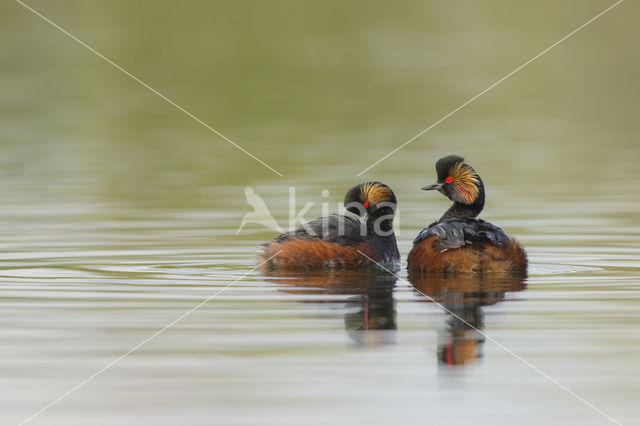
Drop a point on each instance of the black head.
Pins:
(458, 181)
(373, 198)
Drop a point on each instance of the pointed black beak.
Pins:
(432, 187)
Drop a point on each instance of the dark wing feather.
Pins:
(344, 230)
(455, 232)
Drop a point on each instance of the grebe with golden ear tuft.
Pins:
(458, 242)
(340, 241)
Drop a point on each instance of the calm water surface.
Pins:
(119, 213)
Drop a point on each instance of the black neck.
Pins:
(382, 218)
(384, 225)
(463, 210)
(380, 235)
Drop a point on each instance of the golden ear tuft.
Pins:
(373, 193)
(465, 180)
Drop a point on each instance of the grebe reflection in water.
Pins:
(463, 296)
(369, 311)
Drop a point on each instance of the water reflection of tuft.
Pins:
(369, 312)
(463, 298)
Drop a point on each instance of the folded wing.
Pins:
(343, 230)
(455, 232)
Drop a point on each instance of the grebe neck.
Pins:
(376, 224)
(460, 210)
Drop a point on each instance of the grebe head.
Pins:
(458, 181)
(372, 198)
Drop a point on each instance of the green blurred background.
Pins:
(319, 91)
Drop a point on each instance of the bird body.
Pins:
(466, 245)
(339, 241)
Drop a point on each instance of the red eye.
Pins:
(448, 179)
(366, 205)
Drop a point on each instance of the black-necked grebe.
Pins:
(458, 242)
(341, 241)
